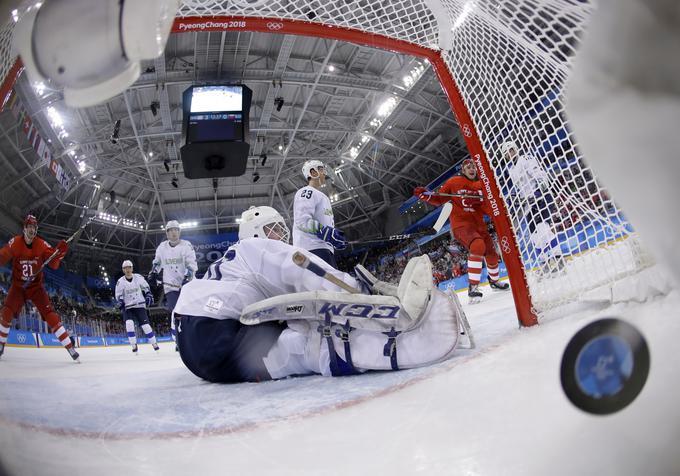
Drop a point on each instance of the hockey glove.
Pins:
(152, 278)
(312, 226)
(148, 297)
(420, 193)
(188, 276)
(333, 236)
(62, 247)
(121, 304)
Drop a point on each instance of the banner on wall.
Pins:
(40, 145)
(210, 248)
(21, 338)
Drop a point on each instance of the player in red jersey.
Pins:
(467, 224)
(28, 252)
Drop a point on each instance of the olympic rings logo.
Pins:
(274, 25)
(21, 338)
(467, 132)
(505, 244)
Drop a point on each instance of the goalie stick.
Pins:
(408, 236)
(443, 216)
(304, 262)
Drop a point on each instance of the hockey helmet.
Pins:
(31, 220)
(127, 264)
(507, 146)
(310, 165)
(467, 162)
(172, 224)
(257, 222)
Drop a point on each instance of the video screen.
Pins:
(215, 127)
(216, 99)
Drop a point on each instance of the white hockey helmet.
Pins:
(507, 146)
(172, 224)
(257, 222)
(127, 263)
(310, 165)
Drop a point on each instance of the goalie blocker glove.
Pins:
(333, 236)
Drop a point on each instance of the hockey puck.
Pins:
(605, 366)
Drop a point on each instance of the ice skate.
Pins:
(74, 354)
(156, 348)
(474, 294)
(498, 285)
(134, 349)
(176, 348)
(2, 348)
(373, 285)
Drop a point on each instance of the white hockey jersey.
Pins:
(527, 176)
(311, 204)
(251, 270)
(174, 261)
(132, 292)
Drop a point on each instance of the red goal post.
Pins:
(503, 65)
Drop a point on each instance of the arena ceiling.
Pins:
(378, 119)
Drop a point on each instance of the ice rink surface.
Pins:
(495, 410)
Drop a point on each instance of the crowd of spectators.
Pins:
(449, 259)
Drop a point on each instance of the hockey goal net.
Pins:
(503, 65)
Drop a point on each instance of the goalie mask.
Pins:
(263, 222)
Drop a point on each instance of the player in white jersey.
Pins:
(134, 296)
(176, 260)
(241, 322)
(313, 223)
(532, 184)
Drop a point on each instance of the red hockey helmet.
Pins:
(31, 220)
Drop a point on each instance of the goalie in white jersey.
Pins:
(134, 296)
(313, 223)
(176, 260)
(531, 184)
(229, 331)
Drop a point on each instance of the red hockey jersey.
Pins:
(466, 211)
(27, 259)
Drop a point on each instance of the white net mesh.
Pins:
(510, 60)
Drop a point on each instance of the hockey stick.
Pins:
(77, 233)
(408, 236)
(459, 195)
(304, 262)
(171, 285)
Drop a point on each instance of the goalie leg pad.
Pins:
(375, 313)
(434, 340)
(333, 349)
(416, 286)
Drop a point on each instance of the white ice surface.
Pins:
(495, 410)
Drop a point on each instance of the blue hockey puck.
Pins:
(605, 366)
